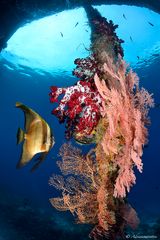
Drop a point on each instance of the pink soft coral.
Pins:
(125, 107)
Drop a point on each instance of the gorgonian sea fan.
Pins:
(87, 192)
(79, 106)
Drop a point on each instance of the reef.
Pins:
(105, 107)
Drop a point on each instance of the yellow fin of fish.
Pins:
(26, 156)
(20, 136)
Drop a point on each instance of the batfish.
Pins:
(38, 137)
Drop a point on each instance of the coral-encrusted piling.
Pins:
(105, 107)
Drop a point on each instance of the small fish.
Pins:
(131, 39)
(124, 16)
(138, 57)
(151, 24)
(76, 24)
(61, 34)
(37, 137)
(86, 30)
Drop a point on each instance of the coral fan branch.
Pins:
(125, 111)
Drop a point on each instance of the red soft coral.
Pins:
(79, 106)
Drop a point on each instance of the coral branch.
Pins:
(125, 110)
(79, 105)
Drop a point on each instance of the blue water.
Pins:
(27, 194)
(146, 193)
(24, 196)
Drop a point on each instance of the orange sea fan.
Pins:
(86, 191)
(79, 188)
